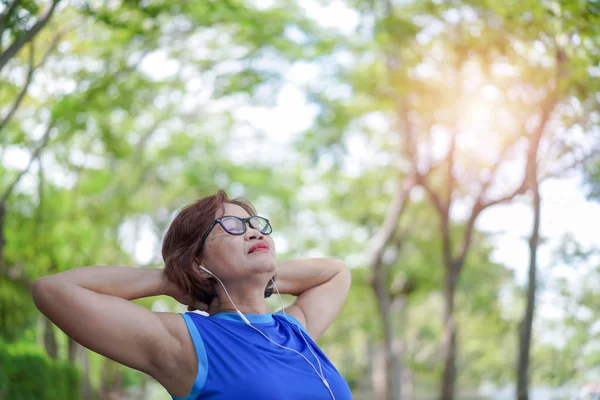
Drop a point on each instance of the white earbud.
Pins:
(205, 270)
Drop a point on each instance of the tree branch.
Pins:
(409, 137)
(16, 275)
(420, 178)
(494, 169)
(384, 235)
(530, 168)
(28, 79)
(443, 210)
(32, 69)
(29, 35)
(450, 179)
(36, 153)
(478, 207)
(578, 162)
(5, 16)
(530, 175)
(411, 153)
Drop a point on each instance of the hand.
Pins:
(172, 290)
(192, 304)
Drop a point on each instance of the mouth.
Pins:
(258, 247)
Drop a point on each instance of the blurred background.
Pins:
(447, 151)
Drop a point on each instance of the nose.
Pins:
(252, 233)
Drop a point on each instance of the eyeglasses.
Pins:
(237, 226)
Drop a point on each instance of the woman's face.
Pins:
(233, 257)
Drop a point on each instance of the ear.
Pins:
(197, 264)
(205, 274)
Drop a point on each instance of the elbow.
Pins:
(340, 265)
(344, 272)
(40, 291)
(37, 292)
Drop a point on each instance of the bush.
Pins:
(26, 373)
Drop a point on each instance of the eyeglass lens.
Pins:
(235, 225)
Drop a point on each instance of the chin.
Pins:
(267, 264)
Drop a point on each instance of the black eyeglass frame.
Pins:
(247, 221)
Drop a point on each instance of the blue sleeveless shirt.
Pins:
(235, 362)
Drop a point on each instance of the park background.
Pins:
(447, 151)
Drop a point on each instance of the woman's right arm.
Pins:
(92, 305)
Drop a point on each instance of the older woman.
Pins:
(219, 258)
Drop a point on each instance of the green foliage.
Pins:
(568, 350)
(19, 18)
(17, 313)
(22, 363)
(142, 97)
(593, 179)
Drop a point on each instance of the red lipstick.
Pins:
(260, 246)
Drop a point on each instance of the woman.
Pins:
(219, 257)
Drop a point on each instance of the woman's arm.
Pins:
(321, 286)
(91, 305)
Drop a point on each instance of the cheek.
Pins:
(271, 243)
(227, 247)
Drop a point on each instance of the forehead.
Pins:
(233, 209)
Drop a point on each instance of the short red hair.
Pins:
(181, 244)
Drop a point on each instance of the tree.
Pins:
(567, 352)
(118, 141)
(526, 325)
(426, 86)
(353, 210)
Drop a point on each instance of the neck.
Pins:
(247, 301)
(227, 307)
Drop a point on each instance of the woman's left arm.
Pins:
(321, 286)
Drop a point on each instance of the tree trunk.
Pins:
(526, 325)
(403, 373)
(111, 381)
(72, 350)
(408, 384)
(383, 303)
(382, 292)
(396, 370)
(116, 391)
(50, 339)
(143, 394)
(86, 387)
(2, 238)
(377, 370)
(105, 380)
(372, 367)
(449, 340)
(39, 330)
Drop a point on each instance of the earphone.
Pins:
(243, 317)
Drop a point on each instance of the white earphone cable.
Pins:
(299, 329)
(243, 317)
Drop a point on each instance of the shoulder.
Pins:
(289, 319)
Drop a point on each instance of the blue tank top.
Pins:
(236, 362)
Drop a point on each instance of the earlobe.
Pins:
(207, 273)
